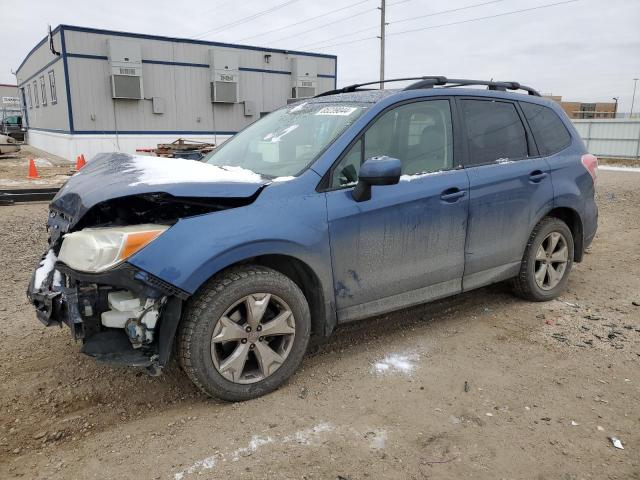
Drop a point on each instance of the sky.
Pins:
(584, 50)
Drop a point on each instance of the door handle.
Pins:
(452, 195)
(537, 176)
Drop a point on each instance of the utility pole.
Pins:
(615, 109)
(633, 98)
(383, 26)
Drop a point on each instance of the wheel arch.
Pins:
(323, 317)
(574, 222)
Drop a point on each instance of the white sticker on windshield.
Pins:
(336, 110)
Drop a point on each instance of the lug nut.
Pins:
(244, 340)
(248, 329)
(260, 339)
(252, 346)
(259, 328)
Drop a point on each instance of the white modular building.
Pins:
(86, 91)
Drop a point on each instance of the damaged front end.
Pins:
(123, 316)
(101, 217)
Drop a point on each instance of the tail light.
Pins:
(590, 162)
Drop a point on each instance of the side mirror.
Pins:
(376, 171)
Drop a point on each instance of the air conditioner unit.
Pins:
(304, 77)
(224, 76)
(125, 66)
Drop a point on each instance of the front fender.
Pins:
(196, 248)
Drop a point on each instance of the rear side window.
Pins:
(494, 131)
(550, 133)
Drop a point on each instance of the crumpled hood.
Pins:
(113, 175)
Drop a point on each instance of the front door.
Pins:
(405, 245)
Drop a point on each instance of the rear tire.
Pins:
(547, 261)
(215, 352)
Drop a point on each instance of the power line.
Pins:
(306, 20)
(326, 24)
(441, 12)
(408, 19)
(453, 23)
(246, 19)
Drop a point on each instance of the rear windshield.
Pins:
(287, 141)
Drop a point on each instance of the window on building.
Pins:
(52, 87)
(29, 95)
(43, 89)
(419, 134)
(588, 110)
(35, 94)
(550, 133)
(494, 131)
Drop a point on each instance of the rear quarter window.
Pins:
(549, 131)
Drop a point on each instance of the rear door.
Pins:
(406, 244)
(510, 188)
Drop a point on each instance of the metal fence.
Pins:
(612, 138)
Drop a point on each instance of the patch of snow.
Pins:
(41, 162)
(612, 168)
(417, 176)
(45, 267)
(255, 443)
(57, 278)
(283, 179)
(403, 363)
(204, 464)
(302, 437)
(306, 437)
(158, 171)
(378, 439)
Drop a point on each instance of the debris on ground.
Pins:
(616, 443)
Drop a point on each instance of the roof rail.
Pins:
(438, 81)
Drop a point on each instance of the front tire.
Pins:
(547, 261)
(244, 333)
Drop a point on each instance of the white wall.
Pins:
(614, 138)
(70, 146)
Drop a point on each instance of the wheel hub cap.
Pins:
(253, 338)
(551, 261)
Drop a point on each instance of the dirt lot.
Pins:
(479, 386)
(14, 168)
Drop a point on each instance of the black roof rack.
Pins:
(437, 81)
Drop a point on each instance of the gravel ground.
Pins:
(482, 385)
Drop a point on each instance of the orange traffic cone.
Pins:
(33, 171)
(80, 162)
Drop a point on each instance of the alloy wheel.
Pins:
(253, 338)
(551, 261)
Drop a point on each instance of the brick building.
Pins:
(586, 110)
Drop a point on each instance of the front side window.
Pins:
(548, 130)
(494, 132)
(286, 141)
(419, 134)
(43, 90)
(35, 94)
(52, 87)
(29, 96)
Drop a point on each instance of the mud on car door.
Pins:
(406, 244)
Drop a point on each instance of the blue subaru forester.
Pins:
(351, 204)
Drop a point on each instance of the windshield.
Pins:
(286, 141)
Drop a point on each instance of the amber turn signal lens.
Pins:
(135, 241)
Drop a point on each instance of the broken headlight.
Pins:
(98, 249)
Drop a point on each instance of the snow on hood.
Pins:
(161, 171)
